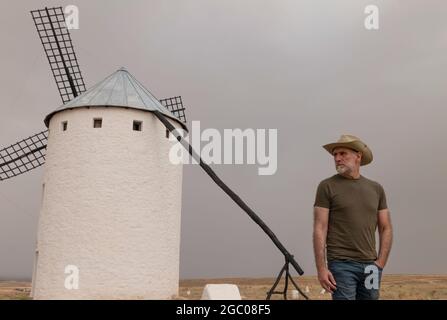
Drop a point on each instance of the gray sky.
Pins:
(307, 68)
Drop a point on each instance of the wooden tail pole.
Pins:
(289, 258)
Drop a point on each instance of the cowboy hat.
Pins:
(352, 142)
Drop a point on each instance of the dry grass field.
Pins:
(394, 287)
(398, 287)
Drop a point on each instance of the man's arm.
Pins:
(385, 235)
(321, 219)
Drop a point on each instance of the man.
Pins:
(347, 211)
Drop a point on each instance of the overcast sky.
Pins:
(307, 68)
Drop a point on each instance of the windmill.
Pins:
(107, 96)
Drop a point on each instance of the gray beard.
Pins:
(342, 169)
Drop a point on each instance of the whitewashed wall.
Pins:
(111, 206)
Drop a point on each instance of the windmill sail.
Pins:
(56, 41)
(175, 105)
(23, 156)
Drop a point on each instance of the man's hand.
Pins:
(327, 280)
(379, 263)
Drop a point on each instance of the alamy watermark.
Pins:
(234, 146)
(72, 279)
(373, 279)
(71, 17)
(372, 19)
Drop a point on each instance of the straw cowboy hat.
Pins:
(352, 142)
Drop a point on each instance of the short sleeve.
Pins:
(382, 199)
(322, 198)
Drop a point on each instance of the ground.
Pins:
(393, 287)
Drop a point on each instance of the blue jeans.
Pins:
(355, 280)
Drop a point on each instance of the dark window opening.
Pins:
(167, 133)
(97, 123)
(64, 125)
(137, 125)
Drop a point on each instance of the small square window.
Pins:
(97, 123)
(64, 125)
(137, 125)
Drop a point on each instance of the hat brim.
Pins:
(367, 156)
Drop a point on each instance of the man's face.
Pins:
(346, 160)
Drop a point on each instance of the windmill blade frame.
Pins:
(23, 156)
(175, 106)
(58, 47)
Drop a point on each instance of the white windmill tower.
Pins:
(112, 199)
(109, 225)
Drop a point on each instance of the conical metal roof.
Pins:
(120, 89)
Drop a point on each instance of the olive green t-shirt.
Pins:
(353, 205)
